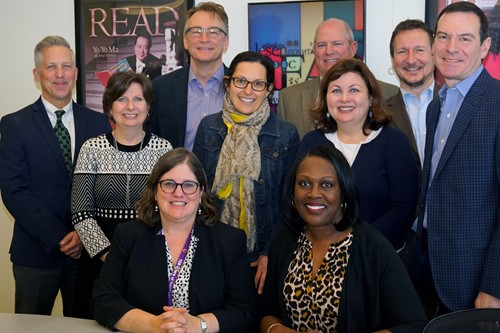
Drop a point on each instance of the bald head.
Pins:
(333, 41)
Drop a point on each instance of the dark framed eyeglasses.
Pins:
(212, 32)
(242, 83)
(169, 186)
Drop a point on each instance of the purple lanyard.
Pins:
(177, 268)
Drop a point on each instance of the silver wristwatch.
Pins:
(203, 325)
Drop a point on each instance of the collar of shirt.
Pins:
(67, 119)
(215, 83)
(463, 86)
(51, 112)
(425, 96)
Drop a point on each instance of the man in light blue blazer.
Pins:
(35, 181)
(460, 221)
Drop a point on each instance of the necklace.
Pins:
(127, 172)
(116, 142)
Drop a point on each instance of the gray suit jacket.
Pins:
(295, 102)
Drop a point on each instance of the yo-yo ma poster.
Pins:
(124, 35)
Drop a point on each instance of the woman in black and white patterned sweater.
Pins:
(110, 175)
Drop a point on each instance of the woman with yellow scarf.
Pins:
(247, 151)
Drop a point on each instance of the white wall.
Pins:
(30, 22)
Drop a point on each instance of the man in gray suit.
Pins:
(333, 40)
(459, 225)
(411, 56)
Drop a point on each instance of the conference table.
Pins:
(26, 323)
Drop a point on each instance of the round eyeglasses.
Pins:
(212, 32)
(242, 83)
(187, 187)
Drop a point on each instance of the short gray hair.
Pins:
(48, 42)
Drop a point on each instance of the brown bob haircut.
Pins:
(319, 112)
(119, 83)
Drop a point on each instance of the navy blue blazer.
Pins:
(135, 276)
(169, 114)
(35, 184)
(463, 198)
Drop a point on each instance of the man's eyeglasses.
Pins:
(169, 186)
(212, 32)
(242, 83)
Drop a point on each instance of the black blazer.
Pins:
(135, 276)
(35, 184)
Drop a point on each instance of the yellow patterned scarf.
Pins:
(239, 167)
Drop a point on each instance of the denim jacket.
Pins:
(278, 142)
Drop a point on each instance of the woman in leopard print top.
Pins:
(328, 271)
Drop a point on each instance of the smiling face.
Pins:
(204, 49)
(457, 47)
(57, 75)
(412, 59)
(331, 44)
(348, 100)
(130, 109)
(246, 100)
(177, 207)
(317, 192)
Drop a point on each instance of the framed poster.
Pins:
(492, 10)
(284, 31)
(122, 35)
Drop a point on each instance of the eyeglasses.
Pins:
(212, 32)
(169, 186)
(242, 83)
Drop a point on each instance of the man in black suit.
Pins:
(186, 95)
(35, 181)
(143, 61)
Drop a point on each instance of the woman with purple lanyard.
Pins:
(177, 268)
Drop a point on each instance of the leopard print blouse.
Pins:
(312, 302)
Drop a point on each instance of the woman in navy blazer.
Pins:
(177, 267)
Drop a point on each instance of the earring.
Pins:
(343, 206)
(370, 113)
(156, 207)
(199, 210)
(293, 202)
(328, 115)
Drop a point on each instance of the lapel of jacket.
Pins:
(471, 104)
(400, 117)
(180, 84)
(42, 121)
(81, 122)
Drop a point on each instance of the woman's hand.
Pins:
(176, 320)
(260, 276)
(173, 320)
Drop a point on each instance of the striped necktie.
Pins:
(62, 134)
